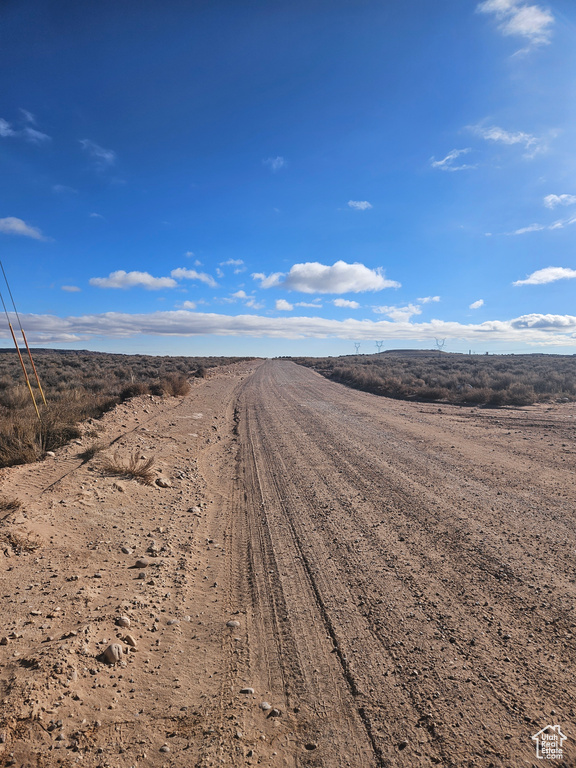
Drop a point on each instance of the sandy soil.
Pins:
(402, 577)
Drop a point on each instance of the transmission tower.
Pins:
(379, 345)
(440, 345)
(356, 346)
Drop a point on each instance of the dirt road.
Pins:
(402, 577)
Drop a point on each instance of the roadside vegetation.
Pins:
(491, 380)
(78, 386)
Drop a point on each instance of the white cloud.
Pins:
(96, 216)
(270, 281)
(103, 157)
(188, 305)
(359, 205)
(34, 136)
(547, 275)
(13, 226)
(28, 116)
(190, 274)
(6, 129)
(122, 279)
(240, 295)
(29, 134)
(551, 201)
(477, 304)
(219, 272)
(345, 303)
(529, 21)
(447, 164)
(428, 299)
(529, 228)
(399, 314)
(275, 163)
(532, 329)
(232, 263)
(313, 277)
(190, 255)
(70, 288)
(284, 305)
(315, 304)
(494, 133)
(62, 189)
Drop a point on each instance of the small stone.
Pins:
(165, 748)
(402, 744)
(247, 690)
(274, 712)
(163, 482)
(233, 624)
(123, 621)
(310, 746)
(141, 575)
(129, 640)
(4, 641)
(127, 550)
(264, 705)
(50, 453)
(171, 622)
(113, 654)
(142, 562)
(119, 487)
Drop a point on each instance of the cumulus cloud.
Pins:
(191, 274)
(13, 226)
(359, 205)
(532, 144)
(104, 158)
(232, 263)
(122, 279)
(551, 201)
(313, 277)
(284, 305)
(70, 288)
(315, 304)
(275, 163)
(529, 21)
(532, 329)
(547, 275)
(477, 304)
(345, 303)
(448, 163)
(428, 299)
(399, 314)
(188, 305)
(240, 295)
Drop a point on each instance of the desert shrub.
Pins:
(472, 379)
(134, 390)
(175, 384)
(132, 468)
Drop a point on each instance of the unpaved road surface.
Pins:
(402, 576)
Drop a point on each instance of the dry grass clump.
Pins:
(9, 505)
(491, 380)
(135, 468)
(18, 542)
(92, 450)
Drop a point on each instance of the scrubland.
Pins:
(492, 380)
(78, 386)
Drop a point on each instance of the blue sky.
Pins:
(278, 178)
